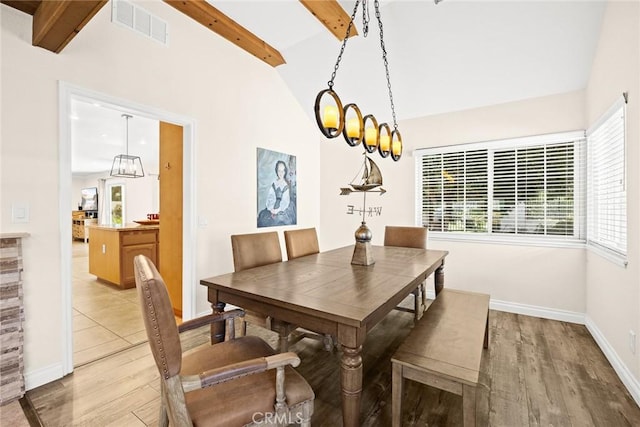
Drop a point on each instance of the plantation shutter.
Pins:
(606, 185)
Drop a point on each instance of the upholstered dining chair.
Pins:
(255, 250)
(237, 382)
(409, 237)
(301, 243)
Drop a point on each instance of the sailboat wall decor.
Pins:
(370, 182)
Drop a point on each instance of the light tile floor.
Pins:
(106, 319)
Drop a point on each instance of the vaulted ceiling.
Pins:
(455, 55)
(451, 56)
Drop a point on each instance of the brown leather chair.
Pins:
(409, 237)
(237, 382)
(255, 250)
(301, 243)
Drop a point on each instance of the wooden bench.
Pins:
(444, 350)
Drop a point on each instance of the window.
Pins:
(607, 195)
(116, 204)
(513, 189)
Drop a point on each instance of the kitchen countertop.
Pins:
(127, 227)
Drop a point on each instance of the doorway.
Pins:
(68, 93)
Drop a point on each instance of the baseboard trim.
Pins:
(627, 378)
(42, 376)
(530, 310)
(537, 311)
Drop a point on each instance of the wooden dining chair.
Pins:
(409, 237)
(255, 250)
(301, 243)
(240, 381)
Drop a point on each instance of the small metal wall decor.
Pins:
(277, 190)
(369, 182)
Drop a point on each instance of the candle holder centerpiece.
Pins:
(370, 182)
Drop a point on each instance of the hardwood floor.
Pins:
(11, 414)
(536, 372)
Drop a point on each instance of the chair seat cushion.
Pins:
(243, 400)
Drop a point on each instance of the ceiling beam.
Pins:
(56, 22)
(26, 6)
(332, 16)
(207, 15)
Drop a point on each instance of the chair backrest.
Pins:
(254, 250)
(407, 237)
(301, 242)
(158, 317)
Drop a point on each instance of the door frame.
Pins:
(68, 92)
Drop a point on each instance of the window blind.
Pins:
(606, 184)
(528, 186)
(455, 191)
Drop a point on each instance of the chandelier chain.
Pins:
(386, 63)
(344, 44)
(365, 18)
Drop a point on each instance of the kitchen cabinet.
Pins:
(112, 249)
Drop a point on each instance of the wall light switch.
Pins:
(19, 212)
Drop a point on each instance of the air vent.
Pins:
(139, 20)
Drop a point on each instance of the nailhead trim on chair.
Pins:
(154, 321)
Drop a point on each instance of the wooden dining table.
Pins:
(326, 294)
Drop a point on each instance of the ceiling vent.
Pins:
(136, 18)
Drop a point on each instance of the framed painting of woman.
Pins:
(276, 188)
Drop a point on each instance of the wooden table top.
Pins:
(328, 286)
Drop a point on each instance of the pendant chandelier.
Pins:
(124, 165)
(333, 119)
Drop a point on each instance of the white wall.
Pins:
(237, 102)
(542, 277)
(613, 292)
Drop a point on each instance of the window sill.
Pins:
(507, 240)
(609, 255)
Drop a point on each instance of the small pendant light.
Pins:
(124, 165)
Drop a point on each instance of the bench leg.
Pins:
(486, 333)
(396, 394)
(469, 405)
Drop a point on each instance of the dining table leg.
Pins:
(351, 379)
(218, 329)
